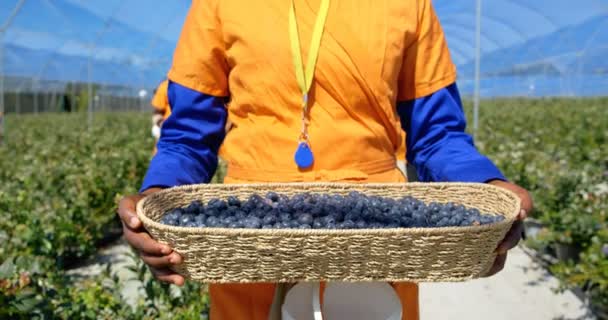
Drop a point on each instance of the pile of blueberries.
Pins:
(324, 211)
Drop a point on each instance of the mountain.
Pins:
(53, 39)
(578, 49)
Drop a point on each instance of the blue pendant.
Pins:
(304, 157)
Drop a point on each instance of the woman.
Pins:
(324, 110)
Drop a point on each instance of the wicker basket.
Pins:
(218, 255)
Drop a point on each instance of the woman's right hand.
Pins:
(159, 257)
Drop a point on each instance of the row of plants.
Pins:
(60, 183)
(556, 148)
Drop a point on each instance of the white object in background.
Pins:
(156, 131)
(353, 301)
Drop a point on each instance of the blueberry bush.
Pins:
(557, 149)
(60, 185)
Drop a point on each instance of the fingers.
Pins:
(160, 262)
(127, 211)
(498, 265)
(166, 275)
(512, 238)
(142, 242)
(159, 257)
(526, 200)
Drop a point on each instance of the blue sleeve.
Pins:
(190, 140)
(437, 144)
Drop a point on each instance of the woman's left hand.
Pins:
(514, 235)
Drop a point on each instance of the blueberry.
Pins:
(269, 219)
(459, 207)
(234, 201)
(215, 204)
(235, 225)
(466, 222)
(406, 222)
(176, 213)
(213, 222)
(272, 196)
(285, 217)
(351, 216)
(455, 221)
(186, 218)
(354, 194)
(473, 212)
(487, 219)
(190, 224)
(240, 215)
(348, 224)
(408, 199)
(304, 226)
(283, 206)
(193, 208)
(200, 219)
(327, 220)
(393, 225)
(316, 210)
(449, 206)
(419, 219)
(228, 220)
(169, 220)
(337, 216)
(252, 223)
(331, 225)
(407, 210)
(444, 222)
(230, 211)
(305, 218)
(268, 226)
(434, 219)
(212, 212)
(318, 223)
(361, 224)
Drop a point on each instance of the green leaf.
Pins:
(7, 269)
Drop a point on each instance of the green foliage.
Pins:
(556, 148)
(61, 181)
(31, 290)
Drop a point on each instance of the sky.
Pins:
(140, 35)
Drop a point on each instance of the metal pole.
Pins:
(1, 72)
(90, 92)
(2, 118)
(18, 102)
(477, 70)
(2, 88)
(35, 92)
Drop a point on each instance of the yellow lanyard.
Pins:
(304, 76)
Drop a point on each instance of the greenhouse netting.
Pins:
(123, 48)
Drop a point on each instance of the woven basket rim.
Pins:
(509, 219)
